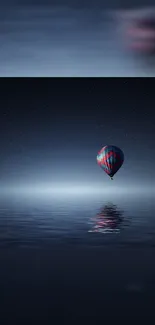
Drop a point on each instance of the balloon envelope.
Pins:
(110, 159)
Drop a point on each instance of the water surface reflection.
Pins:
(53, 268)
(108, 220)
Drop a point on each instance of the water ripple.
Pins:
(80, 224)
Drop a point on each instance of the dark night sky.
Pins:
(65, 38)
(52, 129)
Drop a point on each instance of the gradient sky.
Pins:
(64, 38)
(52, 129)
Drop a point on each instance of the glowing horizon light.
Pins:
(76, 189)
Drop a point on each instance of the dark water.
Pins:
(79, 259)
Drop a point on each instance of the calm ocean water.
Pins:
(78, 259)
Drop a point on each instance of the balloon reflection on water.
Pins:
(108, 220)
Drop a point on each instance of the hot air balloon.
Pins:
(110, 159)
